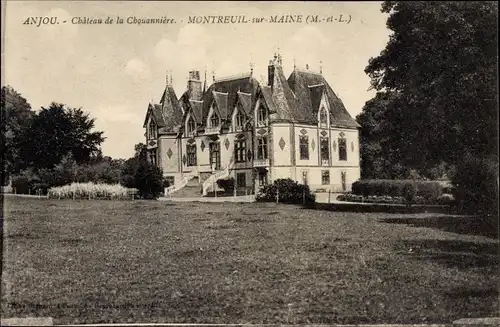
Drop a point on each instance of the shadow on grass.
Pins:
(451, 253)
(467, 225)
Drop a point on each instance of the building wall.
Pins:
(169, 164)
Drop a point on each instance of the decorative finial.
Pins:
(213, 75)
(171, 77)
(294, 64)
(251, 64)
(166, 77)
(321, 67)
(307, 66)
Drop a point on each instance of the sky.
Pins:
(113, 71)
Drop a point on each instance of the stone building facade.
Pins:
(254, 132)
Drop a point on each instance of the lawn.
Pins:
(138, 261)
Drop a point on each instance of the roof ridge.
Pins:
(316, 85)
(196, 100)
(244, 93)
(308, 72)
(226, 93)
(233, 77)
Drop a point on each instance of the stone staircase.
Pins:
(191, 190)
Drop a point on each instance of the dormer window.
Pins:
(323, 117)
(214, 120)
(191, 125)
(261, 116)
(239, 119)
(152, 130)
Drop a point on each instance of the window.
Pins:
(191, 125)
(239, 120)
(342, 149)
(304, 177)
(215, 155)
(325, 177)
(152, 130)
(214, 120)
(240, 151)
(304, 147)
(323, 117)
(261, 116)
(262, 148)
(241, 180)
(191, 154)
(325, 153)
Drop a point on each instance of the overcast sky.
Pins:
(113, 71)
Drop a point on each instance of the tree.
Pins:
(16, 114)
(130, 166)
(148, 180)
(56, 131)
(441, 60)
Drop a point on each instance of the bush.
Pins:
(226, 184)
(289, 191)
(148, 180)
(92, 191)
(428, 190)
(410, 193)
(476, 186)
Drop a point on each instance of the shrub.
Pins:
(428, 190)
(226, 184)
(289, 191)
(476, 186)
(92, 191)
(148, 180)
(409, 193)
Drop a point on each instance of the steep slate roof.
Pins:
(231, 86)
(197, 110)
(221, 103)
(245, 100)
(155, 111)
(168, 114)
(307, 89)
(268, 98)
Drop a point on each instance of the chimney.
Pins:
(272, 68)
(270, 73)
(194, 85)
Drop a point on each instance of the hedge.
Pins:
(288, 191)
(429, 190)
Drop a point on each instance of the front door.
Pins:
(215, 155)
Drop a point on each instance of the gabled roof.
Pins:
(306, 87)
(154, 110)
(267, 95)
(245, 101)
(168, 114)
(220, 100)
(196, 110)
(230, 86)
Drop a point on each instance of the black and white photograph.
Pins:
(201, 163)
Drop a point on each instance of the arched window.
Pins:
(214, 120)
(261, 116)
(239, 119)
(323, 117)
(152, 130)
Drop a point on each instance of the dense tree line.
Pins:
(436, 107)
(58, 145)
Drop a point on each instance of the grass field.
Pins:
(139, 261)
